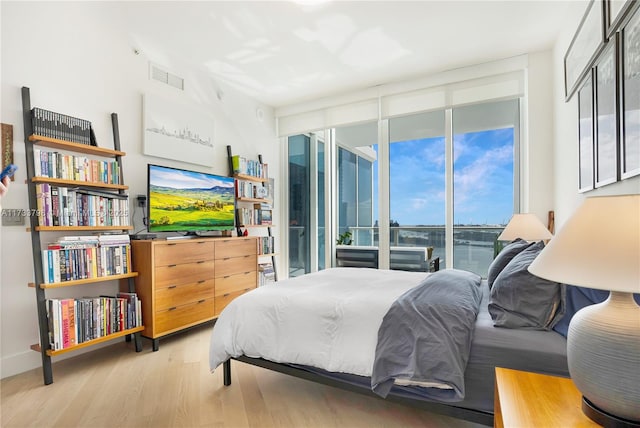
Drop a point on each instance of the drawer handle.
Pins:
(201, 281)
(227, 258)
(200, 261)
(172, 244)
(226, 294)
(248, 272)
(201, 301)
(172, 286)
(247, 289)
(171, 266)
(227, 276)
(173, 308)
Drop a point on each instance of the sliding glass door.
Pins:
(417, 188)
(451, 180)
(485, 144)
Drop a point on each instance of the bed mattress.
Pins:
(529, 350)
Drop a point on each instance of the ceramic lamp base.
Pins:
(607, 420)
(603, 354)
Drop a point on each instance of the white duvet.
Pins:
(329, 319)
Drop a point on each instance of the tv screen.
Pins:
(188, 201)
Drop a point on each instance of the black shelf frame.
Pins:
(36, 245)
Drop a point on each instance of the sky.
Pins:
(483, 179)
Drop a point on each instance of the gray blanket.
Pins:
(426, 334)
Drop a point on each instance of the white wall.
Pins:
(75, 60)
(565, 182)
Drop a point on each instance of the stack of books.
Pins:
(244, 166)
(267, 274)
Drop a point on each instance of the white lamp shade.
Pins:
(598, 247)
(525, 226)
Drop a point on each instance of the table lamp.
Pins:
(526, 227)
(599, 247)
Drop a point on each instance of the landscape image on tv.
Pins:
(181, 200)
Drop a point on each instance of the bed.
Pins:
(349, 306)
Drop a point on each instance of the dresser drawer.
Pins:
(232, 283)
(179, 317)
(176, 295)
(178, 253)
(183, 274)
(235, 247)
(221, 302)
(235, 265)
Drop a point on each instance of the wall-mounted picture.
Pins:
(615, 13)
(630, 98)
(606, 168)
(585, 135)
(584, 48)
(177, 131)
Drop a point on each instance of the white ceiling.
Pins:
(286, 52)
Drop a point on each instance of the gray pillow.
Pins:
(520, 299)
(504, 257)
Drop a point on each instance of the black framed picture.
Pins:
(585, 46)
(630, 97)
(606, 147)
(585, 135)
(615, 11)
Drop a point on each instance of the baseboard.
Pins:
(19, 363)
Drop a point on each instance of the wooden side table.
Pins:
(524, 399)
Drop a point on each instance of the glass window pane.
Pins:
(321, 208)
(417, 182)
(483, 173)
(299, 170)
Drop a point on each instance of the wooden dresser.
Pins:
(184, 283)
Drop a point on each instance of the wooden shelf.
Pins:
(255, 225)
(268, 255)
(78, 228)
(85, 281)
(250, 178)
(122, 333)
(76, 147)
(75, 183)
(261, 200)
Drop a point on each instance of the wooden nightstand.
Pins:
(524, 399)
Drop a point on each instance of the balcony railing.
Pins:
(473, 246)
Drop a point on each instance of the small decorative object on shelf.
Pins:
(72, 192)
(254, 196)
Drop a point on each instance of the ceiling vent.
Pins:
(157, 73)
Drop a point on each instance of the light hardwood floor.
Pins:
(117, 387)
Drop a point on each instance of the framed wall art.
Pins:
(585, 46)
(630, 97)
(606, 141)
(176, 131)
(585, 135)
(615, 12)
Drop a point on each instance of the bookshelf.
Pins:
(254, 205)
(77, 187)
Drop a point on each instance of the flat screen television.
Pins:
(180, 200)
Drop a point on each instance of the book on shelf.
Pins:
(53, 164)
(73, 321)
(60, 126)
(62, 206)
(244, 166)
(266, 245)
(86, 257)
